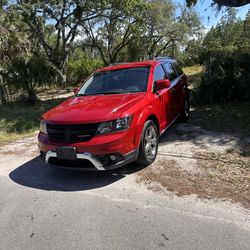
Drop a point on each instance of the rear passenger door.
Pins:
(175, 88)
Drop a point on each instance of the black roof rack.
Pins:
(163, 58)
(155, 58)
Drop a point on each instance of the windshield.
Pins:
(129, 80)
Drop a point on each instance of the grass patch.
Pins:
(194, 74)
(18, 120)
(193, 70)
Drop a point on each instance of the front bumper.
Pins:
(96, 151)
(96, 164)
(122, 142)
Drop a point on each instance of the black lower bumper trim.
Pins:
(86, 165)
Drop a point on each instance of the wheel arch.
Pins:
(148, 113)
(153, 118)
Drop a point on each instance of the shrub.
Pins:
(28, 72)
(226, 79)
(81, 67)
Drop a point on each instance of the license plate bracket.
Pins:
(66, 153)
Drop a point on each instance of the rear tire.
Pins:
(149, 144)
(184, 116)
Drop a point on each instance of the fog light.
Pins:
(113, 157)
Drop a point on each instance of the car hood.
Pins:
(90, 109)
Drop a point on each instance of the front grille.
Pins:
(71, 133)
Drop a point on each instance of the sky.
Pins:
(210, 16)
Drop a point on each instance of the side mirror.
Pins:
(162, 84)
(76, 90)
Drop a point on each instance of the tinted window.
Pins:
(170, 71)
(116, 81)
(159, 73)
(178, 69)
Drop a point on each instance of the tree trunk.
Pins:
(4, 92)
(62, 78)
(173, 47)
(32, 97)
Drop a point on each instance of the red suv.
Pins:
(116, 116)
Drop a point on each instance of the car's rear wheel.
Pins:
(149, 144)
(186, 111)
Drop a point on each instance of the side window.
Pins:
(178, 69)
(159, 73)
(170, 71)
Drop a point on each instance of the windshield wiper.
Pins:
(108, 93)
(89, 94)
(81, 95)
(101, 93)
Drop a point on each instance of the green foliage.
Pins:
(227, 56)
(165, 32)
(29, 72)
(81, 66)
(111, 32)
(191, 55)
(55, 24)
(38, 35)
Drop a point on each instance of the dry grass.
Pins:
(218, 176)
(193, 70)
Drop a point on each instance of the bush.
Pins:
(28, 72)
(81, 67)
(226, 79)
(226, 53)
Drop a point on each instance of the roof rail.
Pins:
(163, 57)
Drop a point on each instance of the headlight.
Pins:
(43, 127)
(115, 125)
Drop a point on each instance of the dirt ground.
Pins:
(52, 94)
(210, 164)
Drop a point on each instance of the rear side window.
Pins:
(159, 73)
(178, 69)
(170, 71)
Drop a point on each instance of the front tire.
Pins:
(149, 144)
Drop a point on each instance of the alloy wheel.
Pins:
(150, 143)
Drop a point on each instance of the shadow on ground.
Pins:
(36, 174)
(204, 137)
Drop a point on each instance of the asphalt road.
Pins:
(44, 208)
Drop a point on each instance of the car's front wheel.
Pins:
(149, 144)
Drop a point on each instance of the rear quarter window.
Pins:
(178, 69)
(171, 73)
